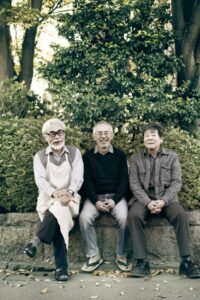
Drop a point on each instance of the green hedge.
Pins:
(20, 139)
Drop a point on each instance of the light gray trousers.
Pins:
(87, 219)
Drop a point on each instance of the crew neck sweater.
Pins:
(105, 174)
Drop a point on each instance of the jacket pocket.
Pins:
(165, 175)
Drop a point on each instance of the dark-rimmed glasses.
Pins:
(52, 134)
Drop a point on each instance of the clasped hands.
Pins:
(63, 196)
(155, 206)
(105, 206)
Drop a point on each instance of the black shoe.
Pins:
(188, 268)
(141, 269)
(30, 250)
(61, 275)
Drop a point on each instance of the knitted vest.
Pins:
(71, 155)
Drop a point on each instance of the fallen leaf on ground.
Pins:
(61, 286)
(107, 285)
(44, 291)
(156, 272)
(165, 281)
(161, 296)
(94, 297)
(22, 284)
(171, 271)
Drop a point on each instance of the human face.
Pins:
(152, 141)
(103, 136)
(55, 137)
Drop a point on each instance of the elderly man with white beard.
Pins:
(58, 171)
(105, 186)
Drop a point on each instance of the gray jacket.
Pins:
(167, 176)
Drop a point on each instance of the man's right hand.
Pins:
(59, 193)
(101, 206)
(153, 207)
(63, 196)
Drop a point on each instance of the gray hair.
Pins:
(102, 122)
(47, 125)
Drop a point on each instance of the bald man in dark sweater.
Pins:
(106, 183)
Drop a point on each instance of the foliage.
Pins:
(20, 139)
(118, 65)
(24, 14)
(20, 21)
(188, 149)
(18, 101)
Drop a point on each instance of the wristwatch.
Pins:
(71, 192)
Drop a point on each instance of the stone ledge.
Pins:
(16, 229)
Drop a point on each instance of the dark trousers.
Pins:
(49, 231)
(175, 215)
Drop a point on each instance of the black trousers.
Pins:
(175, 215)
(49, 232)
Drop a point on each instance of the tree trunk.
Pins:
(186, 26)
(6, 62)
(28, 49)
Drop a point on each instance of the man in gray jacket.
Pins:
(155, 180)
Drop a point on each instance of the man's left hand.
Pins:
(65, 198)
(160, 204)
(110, 203)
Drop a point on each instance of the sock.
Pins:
(185, 257)
(36, 241)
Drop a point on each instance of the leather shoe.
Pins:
(188, 268)
(141, 269)
(61, 274)
(30, 250)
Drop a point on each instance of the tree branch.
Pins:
(28, 49)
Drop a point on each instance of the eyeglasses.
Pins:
(100, 133)
(52, 134)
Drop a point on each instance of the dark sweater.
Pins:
(105, 174)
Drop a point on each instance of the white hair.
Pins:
(48, 124)
(102, 122)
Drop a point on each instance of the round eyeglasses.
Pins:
(52, 134)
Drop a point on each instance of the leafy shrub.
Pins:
(20, 139)
(18, 101)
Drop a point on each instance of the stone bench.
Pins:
(16, 229)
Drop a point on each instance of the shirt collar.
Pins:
(161, 151)
(50, 150)
(111, 150)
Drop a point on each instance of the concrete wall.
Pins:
(16, 229)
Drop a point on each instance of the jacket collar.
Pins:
(162, 151)
(111, 149)
(50, 150)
